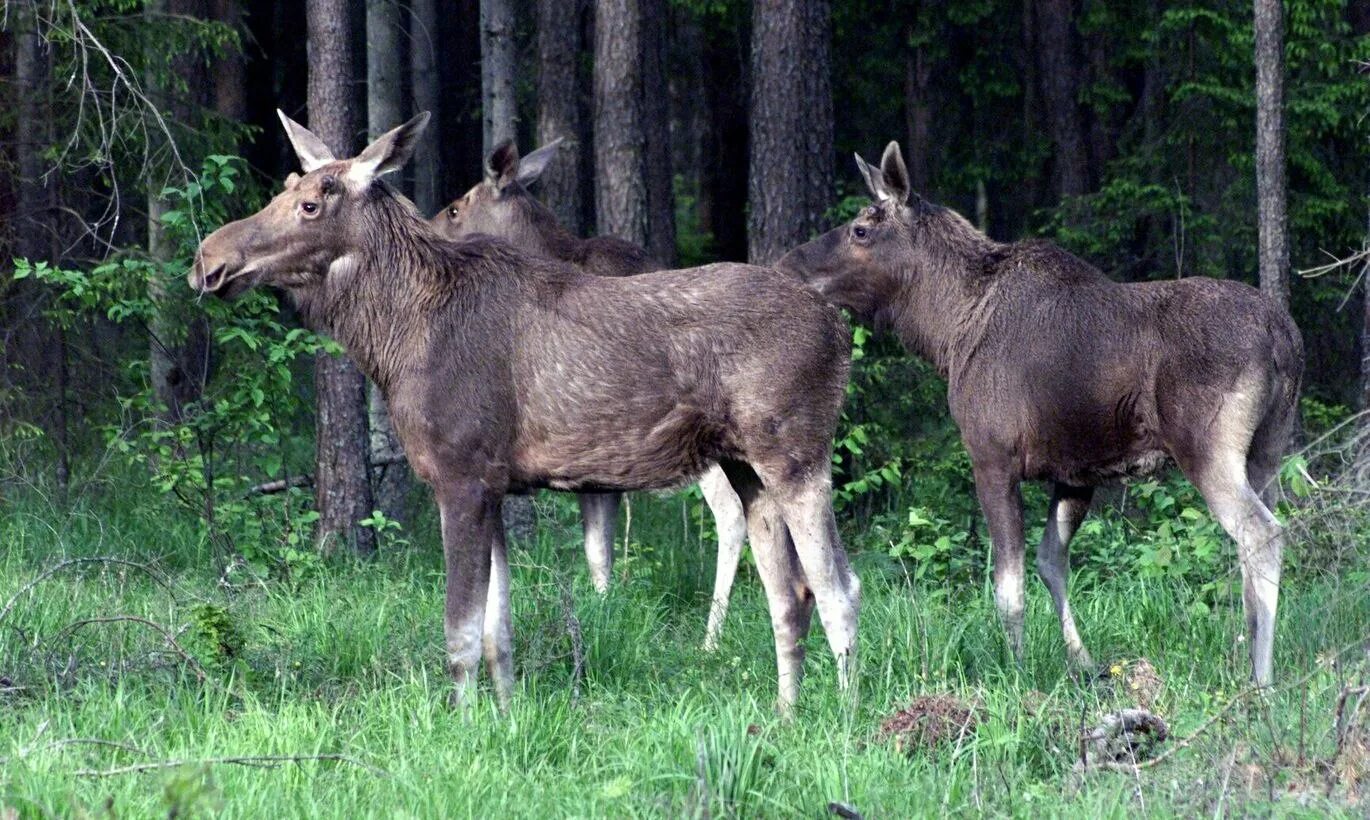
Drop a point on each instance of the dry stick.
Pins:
(306, 480)
(577, 645)
(161, 579)
(263, 761)
(1344, 723)
(1185, 742)
(166, 634)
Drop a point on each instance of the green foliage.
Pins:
(238, 432)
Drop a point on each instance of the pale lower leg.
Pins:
(790, 608)
(731, 522)
(836, 590)
(1003, 508)
(1068, 508)
(1260, 549)
(497, 637)
(599, 514)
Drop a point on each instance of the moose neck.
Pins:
(554, 240)
(375, 299)
(945, 283)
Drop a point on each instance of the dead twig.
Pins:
(156, 576)
(568, 614)
(165, 633)
(260, 761)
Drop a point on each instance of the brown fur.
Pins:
(1057, 373)
(504, 371)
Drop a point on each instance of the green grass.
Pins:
(348, 661)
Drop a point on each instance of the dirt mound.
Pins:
(930, 721)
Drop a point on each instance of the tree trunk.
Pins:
(424, 85)
(385, 109)
(230, 71)
(917, 116)
(498, 72)
(499, 113)
(1059, 71)
(656, 126)
(724, 176)
(1270, 168)
(791, 126)
(620, 187)
(342, 488)
(559, 95)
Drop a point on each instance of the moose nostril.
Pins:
(213, 279)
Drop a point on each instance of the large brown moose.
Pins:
(500, 205)
(1057, 373)
(504, 371)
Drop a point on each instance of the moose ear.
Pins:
(894, 174)
(531, 167)
(502, 166)
(308, 147)
(389, 152)
(874, 180)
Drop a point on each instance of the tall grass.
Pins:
(346, 661)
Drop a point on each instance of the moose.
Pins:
(501, 205)
(505, 371)
(1057, 373)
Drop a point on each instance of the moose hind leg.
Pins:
(787, 596)
(1069, 505)
(470, 513)
(1260, 550)
(1002, 505)
(837, 592)
(731, 522)
(497, 638)
(599, 514)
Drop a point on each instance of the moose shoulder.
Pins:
(505, 370)
(1056, 372)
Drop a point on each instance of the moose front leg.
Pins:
(1002, 504)
(470, 512)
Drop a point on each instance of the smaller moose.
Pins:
(500, 205)
(1057, 373)
(504, 372)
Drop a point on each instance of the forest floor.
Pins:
(323, 694)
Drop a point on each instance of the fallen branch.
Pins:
(283, 484)
(261, 761)
(165, 633)
(577, 643)
(161, 579)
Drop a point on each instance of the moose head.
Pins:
(500, 204)
(307, 233)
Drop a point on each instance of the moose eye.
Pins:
(310, 208)
(859, 231)
(452, 211)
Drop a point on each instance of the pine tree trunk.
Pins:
(620, 187)
(790, 180)
(1270, 160)
(425, 82)
(499, 113)
(341, 480)
(230, 71)
(917, 116)
(385, 109)
(559, 95)
(498, 72)
(1059, 71)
